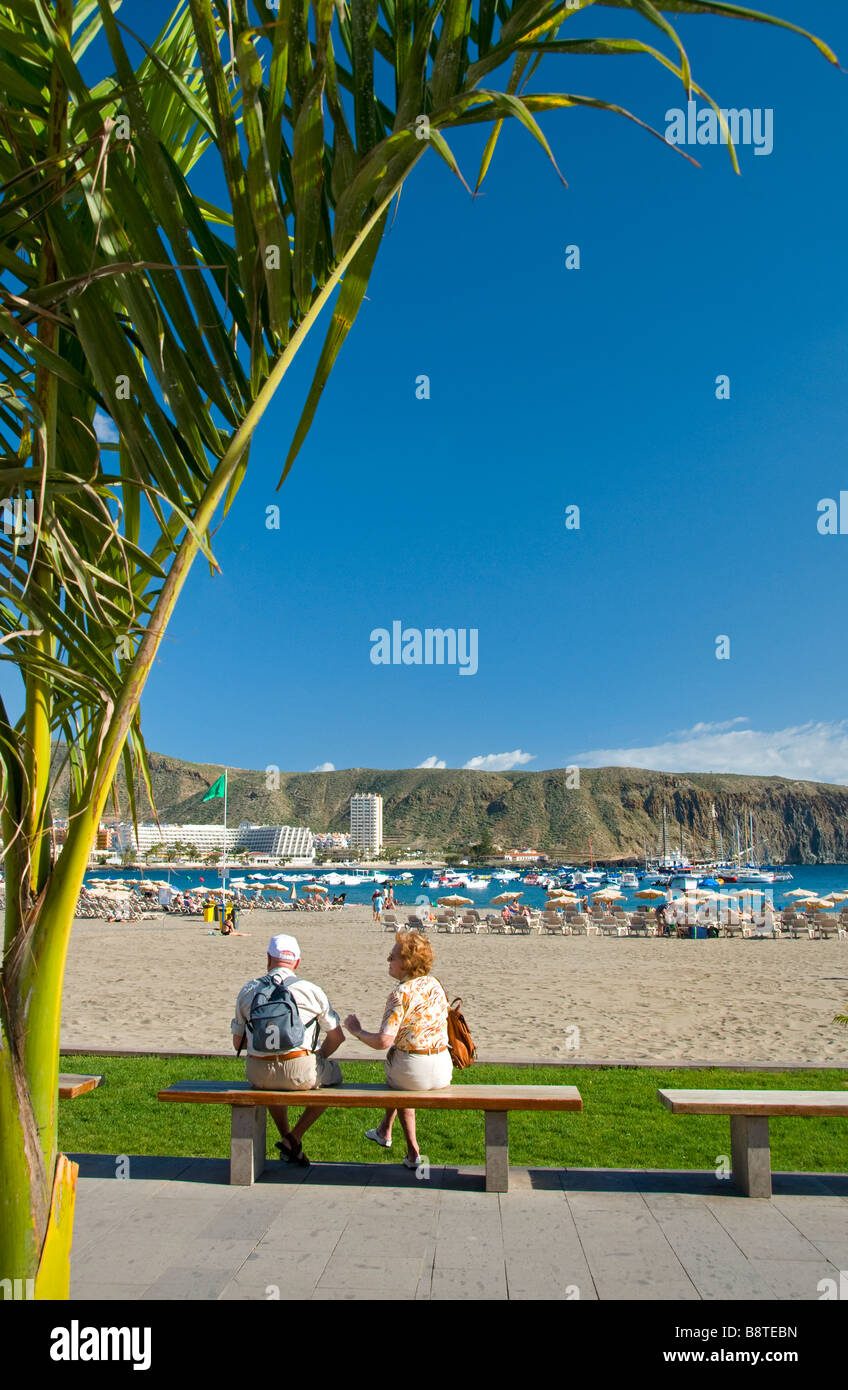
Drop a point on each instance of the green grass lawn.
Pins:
(623, 1125)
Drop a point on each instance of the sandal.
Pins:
(291, 1151)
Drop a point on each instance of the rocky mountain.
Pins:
(619, 809)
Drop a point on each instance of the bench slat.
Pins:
(71, 1086)
(755, 1102)
(375, 1096)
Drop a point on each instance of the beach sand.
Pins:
(167, 986)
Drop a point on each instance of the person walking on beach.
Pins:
(377, 902)
(295, 1016)
(415, 1031)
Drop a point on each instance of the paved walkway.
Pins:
(174, 1229)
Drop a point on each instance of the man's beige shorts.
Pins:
(293, 1073)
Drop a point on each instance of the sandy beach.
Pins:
(166, 985)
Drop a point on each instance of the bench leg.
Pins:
(497, 1150)
(750, 1154)
(247, 1144)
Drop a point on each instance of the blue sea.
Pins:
(817, 878)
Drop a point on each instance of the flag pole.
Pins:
(224, 870)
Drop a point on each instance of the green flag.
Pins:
(219, 788)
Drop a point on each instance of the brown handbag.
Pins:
(461, 1045)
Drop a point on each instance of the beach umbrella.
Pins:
(650, 893)
(314, 888)
(455, 901)
(503, 898)
(799, 893)
(608, 894)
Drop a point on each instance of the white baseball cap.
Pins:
(284, 948)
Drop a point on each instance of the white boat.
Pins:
(629, 880)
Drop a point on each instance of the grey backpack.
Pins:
(274, 1022)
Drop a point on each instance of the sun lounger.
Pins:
(416, 923)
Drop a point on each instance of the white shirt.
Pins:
(312, 1005)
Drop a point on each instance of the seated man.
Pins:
(300, 1068)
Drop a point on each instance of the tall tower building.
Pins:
(366, 822)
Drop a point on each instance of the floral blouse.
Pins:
(418, 1010)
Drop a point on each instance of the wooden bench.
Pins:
(71, 1086)
(249, 1112)
(749, 1113)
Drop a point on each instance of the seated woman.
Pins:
(414, 1029)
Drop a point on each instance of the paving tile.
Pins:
(390, 1272)
(187, 1188)
(153, 1217)
(714, 1263)
(290, 1269)
(141, 1262)
(549, 1278)
(459, 1285)
(84, 1291)
(374, 1246)
(633, 1276)
(181, 1282)
(796, 1279)
(761, 1231)
(815, 1217)
(590, 1180)
(236, 1223)
(345, 1295)
(834, 1249)
(236, 1292)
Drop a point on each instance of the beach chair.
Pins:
(496, 924)
(579, 926)
(470, 921)
(446, 921)
(416, 923)
(638, 924)
(390, 921)
(552, 923)
(828, 927)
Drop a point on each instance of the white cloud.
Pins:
(815, 752)
(431, 762)
(499, 762)
(104, 428)
(324, 767)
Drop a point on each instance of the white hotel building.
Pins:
(366, 822)
(287, 842)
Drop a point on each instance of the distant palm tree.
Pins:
(146, 332)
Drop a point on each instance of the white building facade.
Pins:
(276, 841)
(366, 822)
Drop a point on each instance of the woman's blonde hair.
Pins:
(416, 953)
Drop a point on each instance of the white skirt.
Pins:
(418, 1071)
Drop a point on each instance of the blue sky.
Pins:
(552, 387)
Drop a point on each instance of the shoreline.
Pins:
(549, 998)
